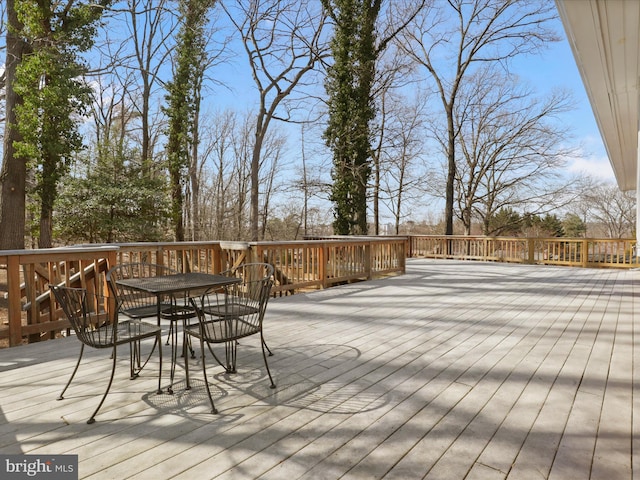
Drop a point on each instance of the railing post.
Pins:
(160, 260)
(14, 307)
(585, 252)
(323, 253)
(369, 251)
(112, 258)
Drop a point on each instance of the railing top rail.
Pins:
(160, 244)
(70, 249)
(554, 239)
(351, 238)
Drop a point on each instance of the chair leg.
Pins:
(216, 357)
(186, 340)
(73, 374)
(204, 374)
(174, 355)
(158, 341)
(113, 371)
(191, 349)
(170, 333)
(267, 347)
(264, 355)
(134, 359)
(136, 356)
(186, 366)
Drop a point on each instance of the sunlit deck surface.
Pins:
(455, 370)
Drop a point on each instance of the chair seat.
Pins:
(129, 329)
(232, 309)
(145, 311)
(223, 330)
(125, 332)
(178, 312)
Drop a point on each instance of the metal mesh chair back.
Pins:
(241, 305)
(92, 317)
(134, 303)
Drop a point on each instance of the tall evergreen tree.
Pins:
(182, 97)
(351, 109)
(50, 81)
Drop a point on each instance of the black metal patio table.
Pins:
(169, 285)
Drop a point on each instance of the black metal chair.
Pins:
(226, 315)
(94, 319)
(139, 305)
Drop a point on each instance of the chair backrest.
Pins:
(239, 310)
(257, 278)
(140, 304)
(255, 289)
(92, 316)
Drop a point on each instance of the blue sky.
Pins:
(556, 67)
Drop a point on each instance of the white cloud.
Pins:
(593, 166)
(592, 159)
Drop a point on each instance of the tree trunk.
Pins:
(261, 128)
(194, 205)
(255, 191)
(14, 170)
(451, 173)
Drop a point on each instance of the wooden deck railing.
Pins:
(575, 252)
(30, 313)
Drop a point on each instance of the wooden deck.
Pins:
(456, 370)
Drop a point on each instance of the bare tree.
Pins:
(213, 171)
(226, 151)
(512, 147)
(150, 25)
(215, 54)
(605, 206)
(271, 160)
(283, 42)
(310, 181)
(393, 67)
(451, 37)
(183, 103)
(401, 154)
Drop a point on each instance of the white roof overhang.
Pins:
(604, 36)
